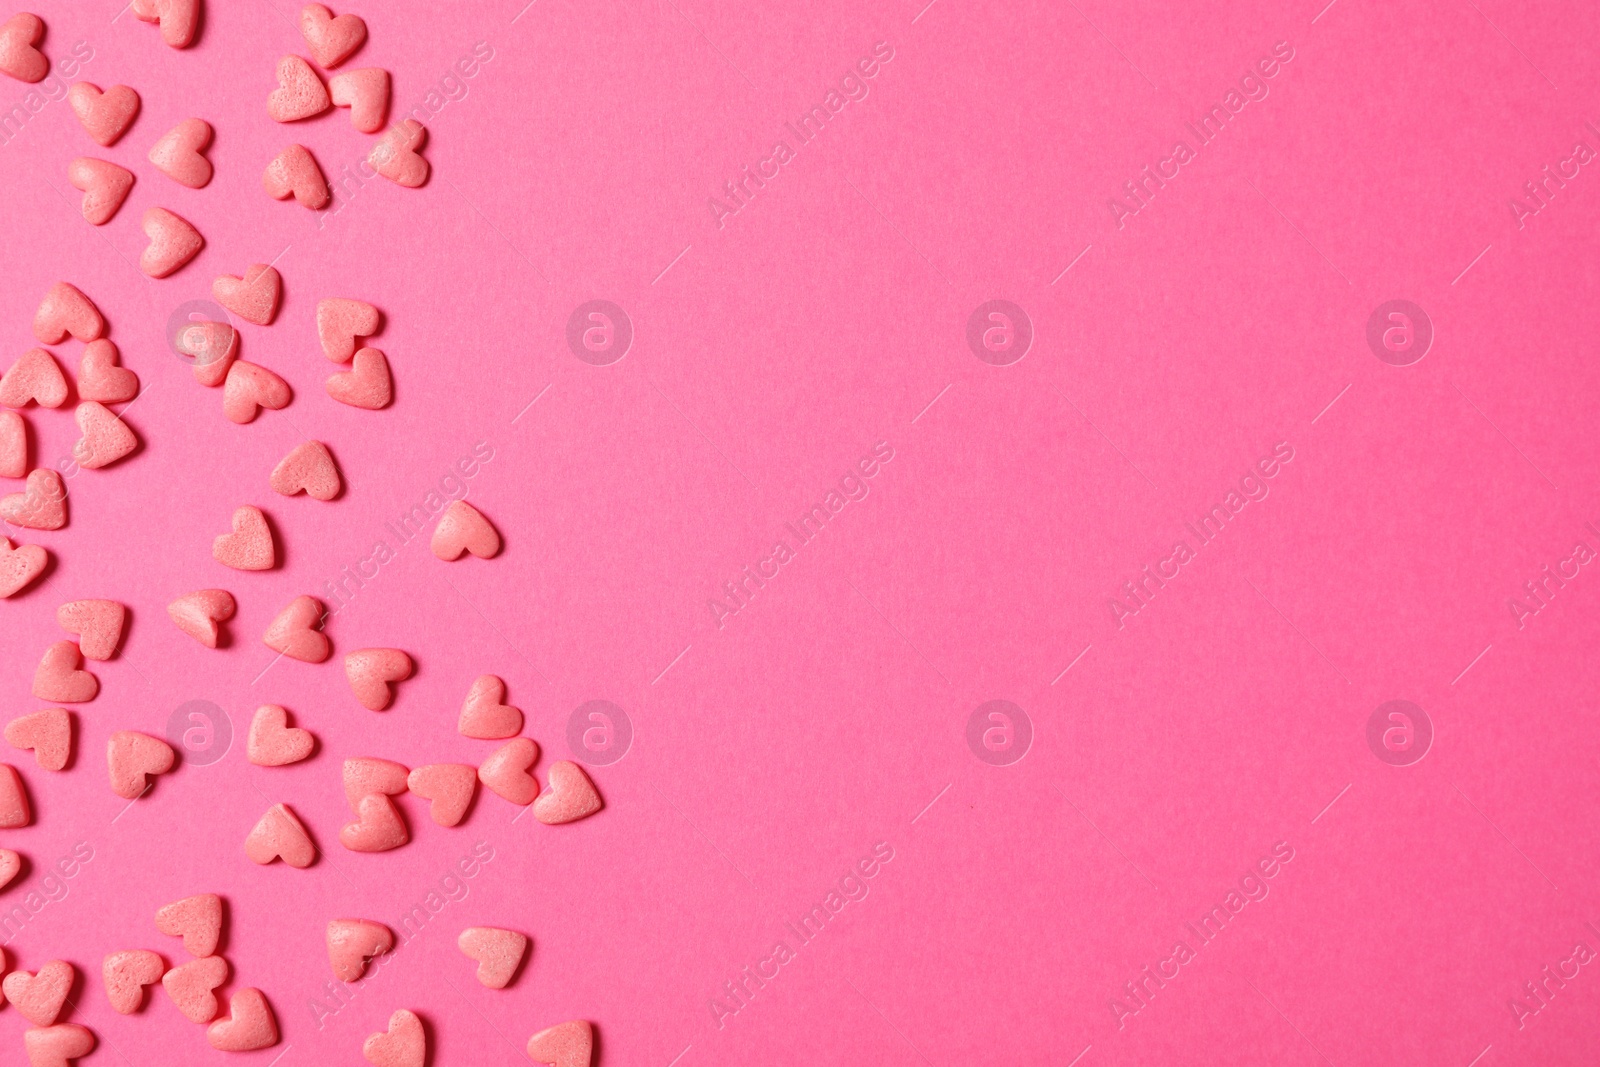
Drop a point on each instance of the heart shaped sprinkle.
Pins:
(126, 974)
(570, 796)
(101, 378)
(106, 438)
(58, 1045)
(567, 1045)
(250, 1024)
(273, 742)
(66, 311)
(250, 388)
(18, 56)
(379, 829)
(173, 242)
(309, 468)
(212, 346)
(509, 771)
(196, 919)
(404, 1044)
(366, 384)
(40, 997)
(132, 757)
(464, 529)
(340, 321)
(34, 378)
(19, 566)
(294, 632)
(13, 445)
(104, 186)
(483, 716)
(249, 547)
(254, 298)
(372, 672)
(450, 787)
(367, 775)
(105, 115)
(300, 93)
(396, 154)
(294, 172)
(15, 812)
(365, 93)
(351, 942)
(58, 676)
(98, 624)
(48, 733)
(191, 986)
(179, 153)
(498, 953)
(198, 613)
(331, 40)
(279, 835)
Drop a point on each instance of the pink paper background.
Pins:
(770, 354)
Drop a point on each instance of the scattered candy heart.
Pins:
(279, 835)
(340, 321)
(395, 155)
(371, 671)
(351, 942)
(196, 919)
(366, 384)
(198, 613)
(173, 242)
(126, 974)
(331, 40)
(483, 716)
(498, 953)
(48, 733)
(65, 310)
(19, 566)
(100, 378)
(567, 1045)
(300, 93)
(106, 438)
(180, 153)
(294, 632)
(104, 185)
(42, 505)
(58, 676)
(106, 115)
(273, 742)
(294, 172)
(365, 93)
(57, 1046)
(179, 20)
(145, 10)
(570, 796)
(34, 378)
(449, 786)
(464, 529)
(18, 56)
(131, 756)
(15, 811)
(98, 624)
(368, 775)
(13, 445)
(379, 829)
(250, 1024)
(249, 388)
(191, 985)
(39, 997)
(308, 467)
(10, 867)
(254, 298)
(508, 771)
(212, 345)
(404, 1044)
(249, 547)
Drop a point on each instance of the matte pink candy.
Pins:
(294, 632)
(366, 93)
(340, 321)
(464, 529)
(379, 828)
(450, 787)
(300, 93)
(196, 919)
(483, 716)
(192, 987)
(498, 953)
(15, 812)
(351, 942)
(98, 624)
(372, 673)
(48, 733)
(132, 758)
(366, 384)
(280, 835)
(173, 242)
(198, 613)
(213, 346)
(249, 388)
(126, 974)
(249, 1025)
(179, 153)
(104, 186)
(35, 378)
(254, 297)
(105, 115)
(396, 154)
(106, 438)
(18, 56)
(403, 1044)
(308, 468)
(101, 378)
(40, 996)
(294, 172)
(58, 1045)
(249, 547)
(509, 771)
(569, 795)
(42, 505)
(19, 566)
(273, 742)
(13, 445)
(567, 1045)
(58, 677)
(367, 775)
(331, 40)
(66, 311)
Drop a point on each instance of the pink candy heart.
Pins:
(198, 613)
(508, 771)
(101, 379)
(196, 919)
(58, 677)
(250, 1024)
(173, 242)
(10, 866)
(300, 93)
(483, 716)
(273, 742)
(250, 388)
(365, 93)
(19, 566)
(178, 153)
(65, 310)
(404, 1044)
(104, 185)
(309, 467)
(42, 505)
(179, 19)
(379, 829)
(15, 811)
(98, 624)
(34, 378)
(106, 115)
(106, 438)
(13, 445)
(449, 786)
(331, 40)
(57, 1046)
(18, 56)
(295, 173)
(498, 953)
(48, 733)
(293, 632)
(371, 672)
(464, 529)
(213, 346)
(40, 997)
(254, 298)
(279, 835)
(567, 1045)
(249, 547)
(191, 985)
(131, 757)
(395, 155)
(351, 942)
(126, 974)
(570, 796)
(368, 775)
(366, 384)
(340, 321)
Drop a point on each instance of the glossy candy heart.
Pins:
(105, 115)
(198, 613)
(366, 384)
(173, 242)
(273, 742)
(254, 298)
(98, 624)
(101, 379)
(131, 757)
(464, 529)
(294, 172)
(294, 632)
(179, 153)
(106, 438)
(104, 186)
(64, 312)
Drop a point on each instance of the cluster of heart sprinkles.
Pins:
(134, 760)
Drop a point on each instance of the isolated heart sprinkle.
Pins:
(13, 445)
(567, 1045)
(331, 40)
(366, 384)
(98, 624)
(58, 1045)
(570, 796)
(273, 742)
(10, 867)
(404, 1044)
(379, 829)
(105, 115)
(179, 20)
(48, 733)
(372, 672)
(464, 529)
(19, 566)
(101, 379)
(309, 468)
(351, 942)
(340, 321)
(249, 388)
(294, 172)
(300, 93)
(42, 505)
(483, 716)
(15, 811)
(104, 186)
(173, 242)
(498, 953)
(40, 997)
(250, 1024)
(508, 771)
(249, 547)
(365, 93)
(254, 298)
(179, 153)
(196, 919)
(106, 438)
(131, 757)
(294, 632)
(34, 378)
(191, 985)
(126, 974)
(450, 787)
(66, 311)
(279, 835)
(58, 676)
(396, 154)
(198, 613)
(18, 56)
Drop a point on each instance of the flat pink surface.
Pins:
(1441, 912)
